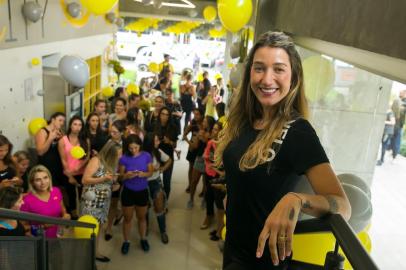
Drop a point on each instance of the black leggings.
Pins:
(209, 196)
(71, 191)
(167, 178)
(188, 117)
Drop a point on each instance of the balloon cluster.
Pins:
(358, 194)
(133, 89)
(117, 67)
(108, 91)
(182, 27)
(216, 33)
(142, 25)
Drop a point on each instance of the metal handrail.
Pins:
(12, 214)
(345, 236)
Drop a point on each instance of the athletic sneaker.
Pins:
(125, 247)
(189, 204)
(164, 238)
(144, 245)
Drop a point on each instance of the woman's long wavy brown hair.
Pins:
(245, 108)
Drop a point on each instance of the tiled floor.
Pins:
(190, 247)
(388, 226)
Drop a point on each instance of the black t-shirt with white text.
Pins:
(251, 195)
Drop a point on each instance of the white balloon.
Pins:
(193, 13)
(74, 9)
(32, 11)
(355, 181)
(361, 207)
(90, 195)
(158, 4)
(111, 17)
(74, 70)
(236, 75)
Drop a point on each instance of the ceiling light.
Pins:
(182, 4)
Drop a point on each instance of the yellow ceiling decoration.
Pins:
(182, 27)
(142, 25)
(214, 33)
(77, 22)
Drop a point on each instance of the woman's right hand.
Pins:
(109, 177)
(55, 134)
(130, 174)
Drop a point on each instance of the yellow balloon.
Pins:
(99, 7)
(36, 124)
(234, 14)
(77, 152)
(319, 76)
(200, 77)
(223, 233)
(209, 13)
(153, 67)
(35, 61)
(218, 76)
(108, 91)
(133, 89)
(224, 220)
(321, 244)
(81, 232)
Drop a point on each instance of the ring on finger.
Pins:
(282, 238)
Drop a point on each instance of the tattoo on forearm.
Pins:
(333, 205)
(307, 205)
(292, 214)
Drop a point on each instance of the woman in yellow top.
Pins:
(210, 102)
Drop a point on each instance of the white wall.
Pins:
(16, 110)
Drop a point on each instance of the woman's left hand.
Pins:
(66, 216)
(279, 228)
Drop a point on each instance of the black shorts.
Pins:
(116, 194)
(134, 198)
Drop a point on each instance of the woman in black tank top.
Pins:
(46, 144)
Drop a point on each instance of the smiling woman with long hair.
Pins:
(268, 140)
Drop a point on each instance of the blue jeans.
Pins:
(386, 144)
(396, 141)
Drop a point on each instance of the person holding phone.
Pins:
(135, 166)
(99, 181)
(8, 172)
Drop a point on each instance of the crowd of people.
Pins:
(258, 150)
(128, 163)
(393, 130)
